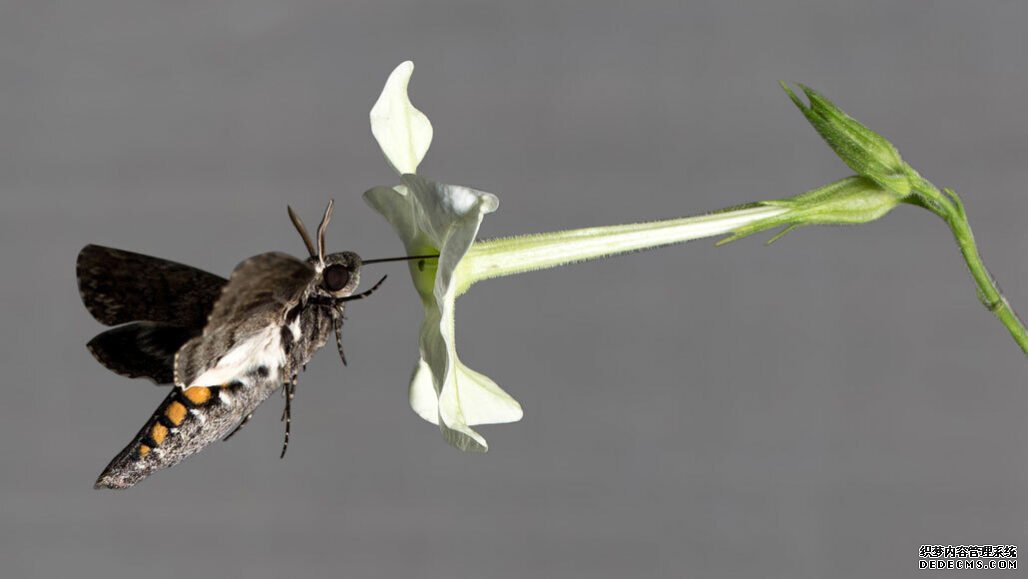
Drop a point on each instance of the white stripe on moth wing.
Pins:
(261, 349)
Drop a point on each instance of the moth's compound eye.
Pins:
(335, 277)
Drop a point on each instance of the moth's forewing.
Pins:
(247, 327)
(269, 282)
(120, 286)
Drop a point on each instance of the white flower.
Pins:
(433, 218)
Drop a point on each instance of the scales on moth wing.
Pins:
(225, 345)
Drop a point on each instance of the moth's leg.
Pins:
(362, 295)
(337, 302)
(238, 427)
(289, 390)
(338, 323)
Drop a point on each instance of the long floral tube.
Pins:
(510, 255)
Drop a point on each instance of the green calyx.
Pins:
(851, 200)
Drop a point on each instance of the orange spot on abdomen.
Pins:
(159, 433)
(143, 450)
(197, 394)
(176, 412)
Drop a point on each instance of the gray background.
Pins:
(817, 408)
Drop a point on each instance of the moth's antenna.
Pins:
(407, 258)
(321, 229)
(298, 223)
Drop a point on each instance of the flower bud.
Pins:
(865, 151)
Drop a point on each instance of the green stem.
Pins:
(950, 208)
(510, 255)
(988, 290)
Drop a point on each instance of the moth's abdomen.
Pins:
(186, 422)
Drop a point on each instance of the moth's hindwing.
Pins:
(141, 349)
(161, 303)
(187, 421)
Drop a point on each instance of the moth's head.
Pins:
(340, 275)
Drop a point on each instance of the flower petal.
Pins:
(432, 217)
(483, 401)
(403, 132)
(448, 213)
(394, 204)
(454, 425)
(424, 399)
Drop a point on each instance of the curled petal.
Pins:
(403, 132)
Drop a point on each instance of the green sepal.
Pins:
(848, 201)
